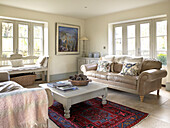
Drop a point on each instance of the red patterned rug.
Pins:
(91, 114)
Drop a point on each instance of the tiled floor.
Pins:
(157, 107)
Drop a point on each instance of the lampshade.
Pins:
(83, 38)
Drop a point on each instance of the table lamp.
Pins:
(84, 38)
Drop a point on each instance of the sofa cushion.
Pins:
(134, 59)
(17, 63)
(132, 69)
(151, 64)
(103, 66)
(91, 73)
(123, 78)
(117, 67)
(101, 75)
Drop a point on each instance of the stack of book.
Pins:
(64, 86)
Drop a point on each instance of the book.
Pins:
(56, 84)
(67, 87)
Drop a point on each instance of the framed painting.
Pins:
(67, 39)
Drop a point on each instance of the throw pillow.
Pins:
(130, 69)
(103, 66)
(41, 60)
(17, 63)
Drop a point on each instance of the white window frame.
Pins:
(152, 36)
(16, 35)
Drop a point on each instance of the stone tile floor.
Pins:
(157, 107)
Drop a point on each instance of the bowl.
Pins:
(80, 82)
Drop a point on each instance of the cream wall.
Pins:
(97, 27)
(58, 64)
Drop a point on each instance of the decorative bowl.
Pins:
(80, 82)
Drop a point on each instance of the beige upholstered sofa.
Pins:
(148, 80)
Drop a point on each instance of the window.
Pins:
(147, 38)
(26, 38)
(38, 40)
(118, 40)
(7, 39)
(23, 39)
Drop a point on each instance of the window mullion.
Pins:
(0, 37)
(137, 51)
(153, 39)
(30, 39)
(114, 42)
(124, 40)
(15, 37)
(43, 40)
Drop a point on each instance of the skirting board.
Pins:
(61, 76)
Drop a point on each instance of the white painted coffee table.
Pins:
(68, 98)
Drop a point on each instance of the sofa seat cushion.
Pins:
(102, 75)
(123, 78)
(91, 73)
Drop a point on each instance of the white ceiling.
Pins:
(76, 8)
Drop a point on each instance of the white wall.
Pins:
(97, 27)
(58, 64)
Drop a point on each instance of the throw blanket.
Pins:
(9, 86)
(24, 108)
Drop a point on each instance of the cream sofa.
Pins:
(148, 80)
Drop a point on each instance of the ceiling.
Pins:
(79, 8)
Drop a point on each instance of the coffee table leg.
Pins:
(67, 107)
(67, 112)
(104, 97)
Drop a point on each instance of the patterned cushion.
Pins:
(103, 66)
(130, 69)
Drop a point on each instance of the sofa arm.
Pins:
(87, 67)
(153, 74)
(4, 76)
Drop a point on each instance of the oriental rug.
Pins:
(92, 114)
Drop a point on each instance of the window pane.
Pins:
(162, 56)
(7, 39)
(38, 40)
(118, 32)
(162, 43)
(23, 46)
(131, 31)
(118, 40)
(161, 28)
(7, 30)
(144, 40)
(144, 46)
(38, 47)
(131, 46)
(23, 39)
(23, 30)
(131, 39)
(118, 46)
(144, 30)
(38, 32)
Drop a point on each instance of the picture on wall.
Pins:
(67, 39)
